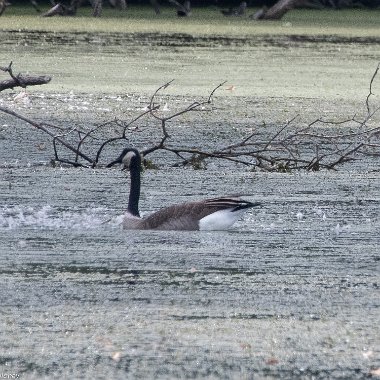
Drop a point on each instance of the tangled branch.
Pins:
(21, 80)
(321, 144)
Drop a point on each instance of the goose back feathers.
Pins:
(209, 214)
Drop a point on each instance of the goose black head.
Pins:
(129, 158)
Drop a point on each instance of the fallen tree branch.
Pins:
(370, 88)
(277, 11)
(321, 144)
(21, 80)
(44, 128)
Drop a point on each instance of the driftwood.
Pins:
(21, 80)
(290, 147)
(62, 9)
(55, 10)
(277, 11)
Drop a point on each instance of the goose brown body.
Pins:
(185, 216)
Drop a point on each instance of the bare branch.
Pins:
(42, 128)
(370, 87)
(21, 80)
(320, 144)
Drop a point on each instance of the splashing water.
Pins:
(14, 217)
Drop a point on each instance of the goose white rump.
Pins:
(220, 220)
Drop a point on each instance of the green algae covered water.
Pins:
(292, 291)
(291, 288)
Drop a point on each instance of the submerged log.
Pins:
(57, 9)
(24, 81)
(62, 9)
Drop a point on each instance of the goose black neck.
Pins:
(134, 192)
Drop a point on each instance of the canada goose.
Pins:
(209, 214)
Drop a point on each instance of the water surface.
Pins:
(290, 292)
(290, 288)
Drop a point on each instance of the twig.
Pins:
(42, 128)
(370, 87)
(289, 148)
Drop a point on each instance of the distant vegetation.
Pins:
(267, 9)
(204, 21)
